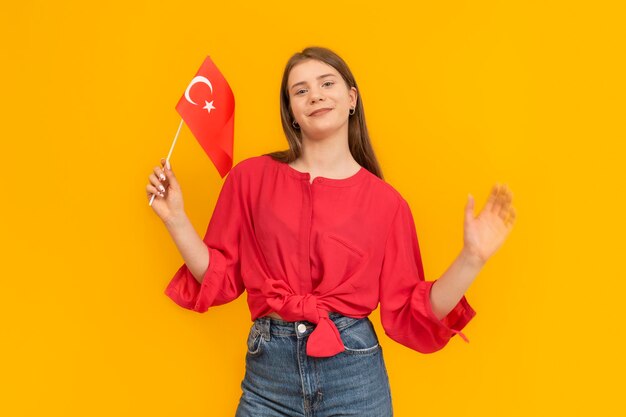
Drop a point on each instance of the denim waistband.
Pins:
(267, 325)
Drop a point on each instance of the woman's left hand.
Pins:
(484, 234)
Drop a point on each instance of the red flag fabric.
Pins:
(208, 109)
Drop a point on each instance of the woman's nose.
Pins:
(316, 97)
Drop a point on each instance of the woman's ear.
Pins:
(353, 96)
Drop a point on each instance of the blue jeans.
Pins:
(282, 380)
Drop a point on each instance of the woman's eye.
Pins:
(329, 83)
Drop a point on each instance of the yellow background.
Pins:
(458, 95)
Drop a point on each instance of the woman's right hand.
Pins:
(168, 200)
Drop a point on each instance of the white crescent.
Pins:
(197, 79)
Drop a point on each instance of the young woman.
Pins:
(318, 239)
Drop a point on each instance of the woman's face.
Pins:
(312, 86)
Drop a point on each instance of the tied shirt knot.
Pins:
(325, 340)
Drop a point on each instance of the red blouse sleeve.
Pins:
(405, 310)
(222, 282)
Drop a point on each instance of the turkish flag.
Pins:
(208, 109)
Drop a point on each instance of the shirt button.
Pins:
(301, 328)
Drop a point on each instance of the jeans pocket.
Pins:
(255, 341)
(360, 338)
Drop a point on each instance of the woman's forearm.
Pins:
(193, 250)
(452, 285)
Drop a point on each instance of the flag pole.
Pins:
(167, 160)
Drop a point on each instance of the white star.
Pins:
(209, 106)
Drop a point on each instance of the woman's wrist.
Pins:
(471, 258)
(176, 221)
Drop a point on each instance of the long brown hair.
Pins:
(358, 137)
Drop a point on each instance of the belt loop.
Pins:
(264, 328)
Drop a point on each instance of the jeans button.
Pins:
(301, 328)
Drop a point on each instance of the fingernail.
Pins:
(167, 164)
(162, 177)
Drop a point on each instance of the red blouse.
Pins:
(304, 249)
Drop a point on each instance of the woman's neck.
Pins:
(325, 164)
(328, 157)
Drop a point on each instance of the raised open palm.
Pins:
(485, 233)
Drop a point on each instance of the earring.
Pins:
(352, 111)
(295, 125)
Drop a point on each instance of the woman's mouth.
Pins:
(319, 112)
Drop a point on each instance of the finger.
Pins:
(171, 179)
(512, 216)
(492, 198)
(161, 176)
(152, 190)
(154, 181)
(167, 165)
(156, 196)
(158, 171)
(469, 208)
(497, 199)
(509, 218)
(505, 202)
